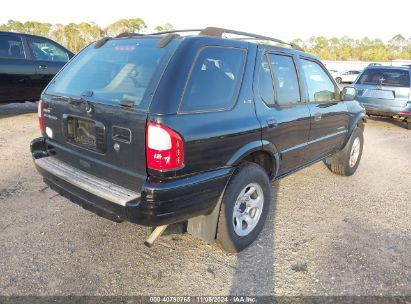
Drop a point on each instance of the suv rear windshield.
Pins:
(120, 71)
(388, 77)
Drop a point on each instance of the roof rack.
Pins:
(218, 32)
(211, 31)
(175, 31)
(128, 35)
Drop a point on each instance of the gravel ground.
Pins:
(326, 234)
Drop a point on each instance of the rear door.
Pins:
(16, 71)
(329, 114)
(116, 81)
(283, 114)
(48, 59)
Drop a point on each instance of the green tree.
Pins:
(126, 25)
(166, 27)
(90, 32)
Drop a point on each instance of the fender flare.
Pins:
(256, 146)
(361, 117)
(275, 155)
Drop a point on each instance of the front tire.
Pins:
(244, 208)
(346, 161)
(408, 124)
(338, 80)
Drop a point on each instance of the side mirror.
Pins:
(348, 94)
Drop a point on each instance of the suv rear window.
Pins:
(215, 79)
(388, 77)
(118, 71)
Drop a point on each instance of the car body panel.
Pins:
(22, 79)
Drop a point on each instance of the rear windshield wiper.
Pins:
(127, 103)
(74, 101)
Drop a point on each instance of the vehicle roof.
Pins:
(42, 37)
(23, 34)
(388, 67)
(229, 42)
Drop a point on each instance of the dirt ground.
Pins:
(326, 234)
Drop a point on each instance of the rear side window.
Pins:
(285, 77)
(387, 77)
(120, 71)
(48, 51)
(266, 83)
(215, 79)
(11, 47)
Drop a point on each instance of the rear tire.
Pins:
(346, 161)
(244, 208)
(408, 125)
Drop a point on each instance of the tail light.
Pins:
(164, 148)
(41, 122)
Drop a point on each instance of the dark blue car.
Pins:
(385, 91)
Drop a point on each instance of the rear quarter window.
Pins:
(214, 80)
(11, 47)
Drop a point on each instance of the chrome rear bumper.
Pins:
(97, 186)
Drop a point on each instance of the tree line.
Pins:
(364, 49)
(76, 36)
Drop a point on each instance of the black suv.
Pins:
(160, 129)
(27, 64)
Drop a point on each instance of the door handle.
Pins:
(272, 123)
(42, 67)
(317, 116)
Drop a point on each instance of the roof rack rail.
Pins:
(212, 31)
(167, 39)
(175, 31)
(128, 35)
(218, 32)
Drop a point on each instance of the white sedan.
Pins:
(346, 76)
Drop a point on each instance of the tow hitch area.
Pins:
(158, 231)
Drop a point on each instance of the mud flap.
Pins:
(204, 227)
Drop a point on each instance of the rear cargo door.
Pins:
(95, 110)
(384, 87)
(108, 143)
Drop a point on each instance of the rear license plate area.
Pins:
(379, 94)
(82, 132)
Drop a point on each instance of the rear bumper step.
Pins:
(87, 182)
(160, 202)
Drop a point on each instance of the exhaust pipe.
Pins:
(158, 231)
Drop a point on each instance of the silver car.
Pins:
(385, 91)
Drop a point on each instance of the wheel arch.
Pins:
(358, 121)
(262, 153)
(205, 226)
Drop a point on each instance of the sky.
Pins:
(283, 19)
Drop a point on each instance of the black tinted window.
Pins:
(388, 77)
(48, 51)
(285, 79)
(320, 87)
(119, 71)
(215, 79)
(11, 47)
(266, 82)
